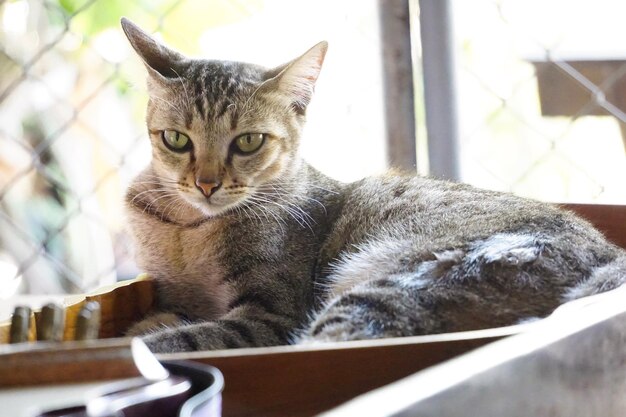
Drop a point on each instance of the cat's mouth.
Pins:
(214, 205)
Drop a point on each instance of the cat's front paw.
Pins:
(168, 341)
(188, 338)
(155, 323)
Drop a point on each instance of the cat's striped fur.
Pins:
(275, 252)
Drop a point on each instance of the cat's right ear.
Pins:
(295, 81)
(161, 61)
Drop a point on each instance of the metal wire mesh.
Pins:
(71, 136)
(541, 98)
(62, 172)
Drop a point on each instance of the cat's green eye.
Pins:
(176, 141)
(249, 142)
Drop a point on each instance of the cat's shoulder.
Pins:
(404, 192)
(398, 184)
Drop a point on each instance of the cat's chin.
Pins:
(211, 210)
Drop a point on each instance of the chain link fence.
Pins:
(541, 102)
(71, 138)
(542, 95)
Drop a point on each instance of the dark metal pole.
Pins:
(398, 83)
(439, 88)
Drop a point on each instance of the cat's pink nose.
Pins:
(208, 187)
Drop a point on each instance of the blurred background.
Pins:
(533, 106)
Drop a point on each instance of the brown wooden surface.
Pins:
(609, 219)
(291, 381)
(121, 305)
(69, 362)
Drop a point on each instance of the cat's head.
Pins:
(222, 130)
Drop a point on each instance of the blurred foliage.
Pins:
(189, 17)
(100, 15)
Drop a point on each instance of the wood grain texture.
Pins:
(120, 306)
(293, 381)
(58, 363)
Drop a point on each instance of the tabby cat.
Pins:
(250, 246)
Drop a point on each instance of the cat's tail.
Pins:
(603, 278)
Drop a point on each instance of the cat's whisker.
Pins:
(283, 198)
(296, 214)
(314, 200)
(245, 107)
(159, 185)
(323, 286)
(239, 212)
(257, 210)
(158, 179)
(312, 185)
(178, 110)
(265, 211)
(297, 196)
(155, 185)
(168, 103)
(181, 205)
(298, 209)
(152, 190)
(188, 98)
(152, 203)
(149, 182)
(288, 197)
(175, 203)
(256, 214)
(163, 195)
(251, 208)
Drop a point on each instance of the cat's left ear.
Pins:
(295, 81)
(162, 62)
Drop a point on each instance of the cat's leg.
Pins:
(248, 325)
(264, 311)
(492, 282)
(155, 322)
(399, 306)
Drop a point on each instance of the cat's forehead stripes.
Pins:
(219, 85)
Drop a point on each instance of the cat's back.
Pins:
(441, 214)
